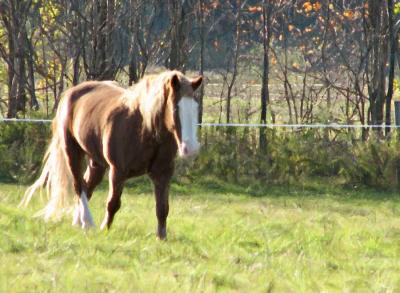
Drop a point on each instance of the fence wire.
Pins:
(250, 125)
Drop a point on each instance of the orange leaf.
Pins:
(307, 6)
(317, 6)
(348, 14)
(254, 9)
(308, 29)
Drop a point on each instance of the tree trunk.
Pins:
(236, 53)
(202, 47)
(133, 50)
(34, 104)
(102, 56)
(393, 47)
(376, 26)
(16, 31)
(180, 28)
(266, 35)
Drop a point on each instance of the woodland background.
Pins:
(331, 61)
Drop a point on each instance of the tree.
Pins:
(393, 39)
(103, 41)
(235, 57)
(202, 36)
(266, 42)
(377, 46)
(180, 22)
(18, 54)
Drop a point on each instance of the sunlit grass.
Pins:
(221, 237)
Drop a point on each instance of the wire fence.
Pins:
(282, 153)
(251, 125)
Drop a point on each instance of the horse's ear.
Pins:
(196, 82)
(175, 82)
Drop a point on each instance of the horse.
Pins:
(131, 132)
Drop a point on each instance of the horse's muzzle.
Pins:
(188, 149)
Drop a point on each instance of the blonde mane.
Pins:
(150, 95)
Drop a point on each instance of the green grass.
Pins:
(222, 237)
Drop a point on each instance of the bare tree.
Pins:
(266, 42)
(181, 21)
(393, 39)
(235, 57)
(202, 36)
(375, 27)
(103, 40)
(18, 55)
(146, 36)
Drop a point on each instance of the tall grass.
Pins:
(222, 237)
(235, 155)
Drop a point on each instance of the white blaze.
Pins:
(188, 115)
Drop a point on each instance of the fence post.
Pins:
(397, 122)
(397, 112)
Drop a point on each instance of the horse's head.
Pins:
(181, 116)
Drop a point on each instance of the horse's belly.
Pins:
(138, 165)
(136, 172)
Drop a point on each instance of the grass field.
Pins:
(222, 237)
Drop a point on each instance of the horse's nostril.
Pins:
(185, 150)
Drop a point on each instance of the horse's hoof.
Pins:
(87, 226)
(104, 225)
(76, 219)
(162, 234)
(75, 222)
(87, 223)
(162, 238)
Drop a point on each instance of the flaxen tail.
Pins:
(55, 177)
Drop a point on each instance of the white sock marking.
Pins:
(104, 223)
(85, 215)
(76, 217)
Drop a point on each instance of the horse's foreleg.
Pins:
(161, 190)
(114, 197)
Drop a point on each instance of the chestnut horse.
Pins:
(132, 132)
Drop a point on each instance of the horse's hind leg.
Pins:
(93, 175)
(74, 154)
(114, 197)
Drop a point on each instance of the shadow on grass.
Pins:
(315, 187)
